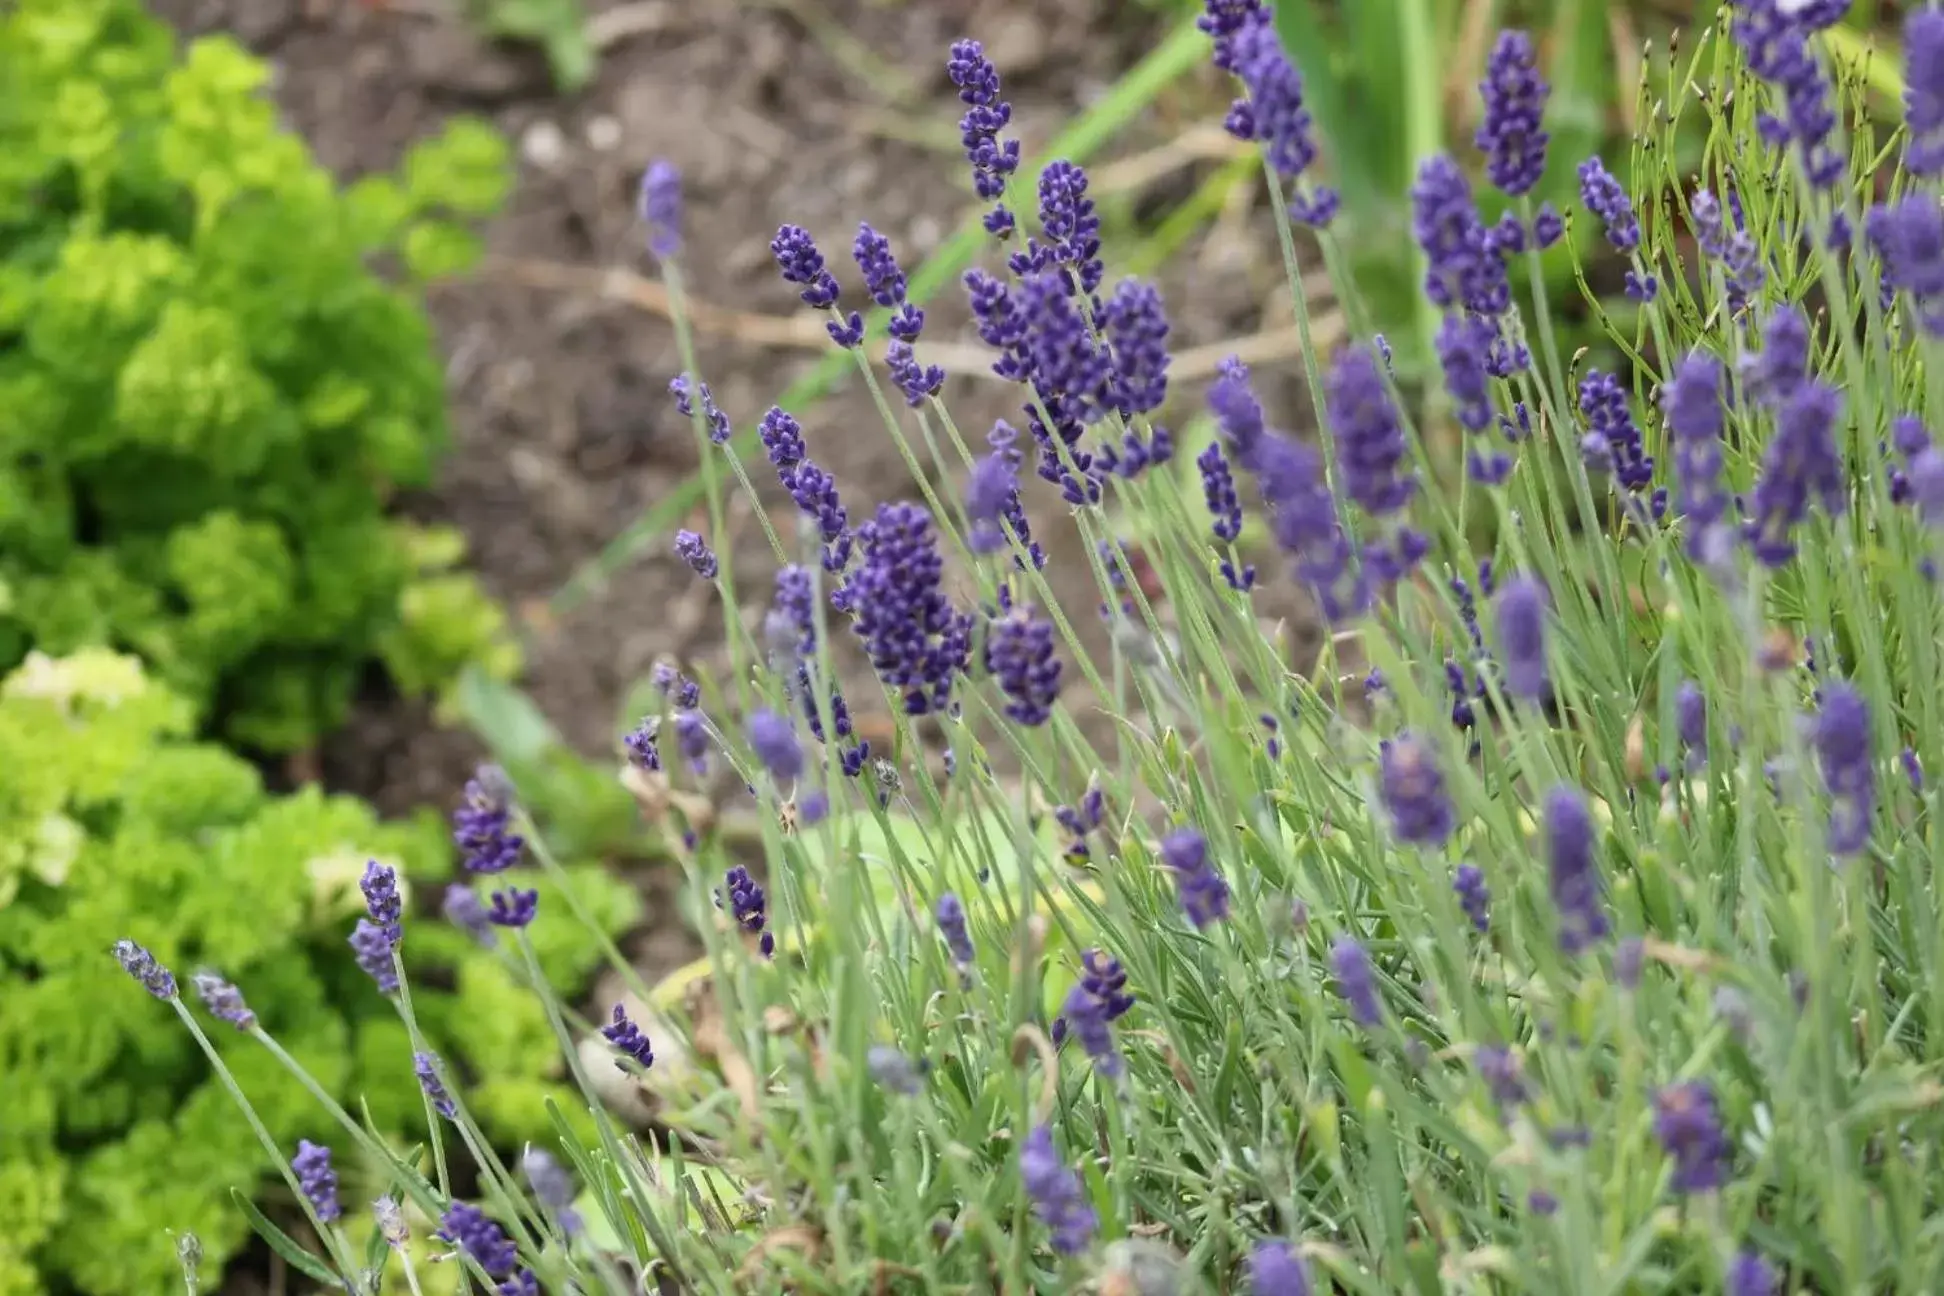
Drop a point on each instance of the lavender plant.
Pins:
(1555, 931)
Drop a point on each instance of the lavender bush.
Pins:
(1571, 926)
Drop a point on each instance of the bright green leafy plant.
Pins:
(207, 392)
(110, 822)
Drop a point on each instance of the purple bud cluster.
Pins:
(1059, 1198)
(1199, 886)
(1413, 792)
(426, 1067)
(749, 907)
(993, 160)
(685, 392)
(1774, 37)
(223, 1000)
(1020, 657)
(1091, 1007)
(1356, 980)
(1845, 752)
(1736, 249)
(1693, 406)
(1577, 892)
(1923, 97)
(628, 1039)
(1687, 1124)
(1372, 451)
(1802, 462)
(1613, 441)
(813, 489)
(316, 1179)
(1276, 114)
(917, 643)
(1218, 489)
(800, 263)
(142, 965)
(694, 550)
(1908, 237)
(660, 208)
(1511, 135)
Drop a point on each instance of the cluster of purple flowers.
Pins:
(376, 936)
(1613, 442)
(1097, 1000)
(993, 159)
(714, 420)
(1081, 820)
(748, 907)
(1413, 792)
(482, 828)
(1303, 515)
(1274, 112)
(1802, 461)
(316, 1179)
(1693, 405)
(1059, 1198)
(917, 642)
(628, 1040)
(1199, 885)
(800, 263)
(1774, 37)
(1372, 453)
(1019, 655)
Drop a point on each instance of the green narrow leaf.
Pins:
(505, 718)
(281, 1243)
(376, 1249)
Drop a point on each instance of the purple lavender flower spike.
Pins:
(749, 907)
(660, 208)
(1511, 135)
(1802, 463)
(915, 640)
(1691, 720)
(312, 1165)
(917, 381)
(1774, 35)
(886, 283)
(1136, 325)
(553, 1187)
(1749, 1274)
(1413, 792)
(694, 550)
(1687, 1122)
(513, 907)
(1303, 518)
(382, 901)
(1275, 1269)
(1845, 752)
(1222, 19)
(990, 489)
(782, 438)
(952, 925)
(628, 1040)
(1474, 897)
(684, 393)
(1277, 112)
(1609, 415)
(1058, 1197)
(482, 825)
(463, 910)
(1370, 442)
(1463, 267)
(1908, 237)
(1924, 91)
(1606, 198)
(773, 738)
(372, 948)
(993, 160)
(1019, 654)
(1740, 256)
(1203, 893)
(800, 263)
(1071, 229)
(468, 1228)
(223, 1000)
(1692, 402)
(639, 743)
(1504, 1078)
(1523, 608)
(426, 1067)
(1577, 893)
(1356, 980)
